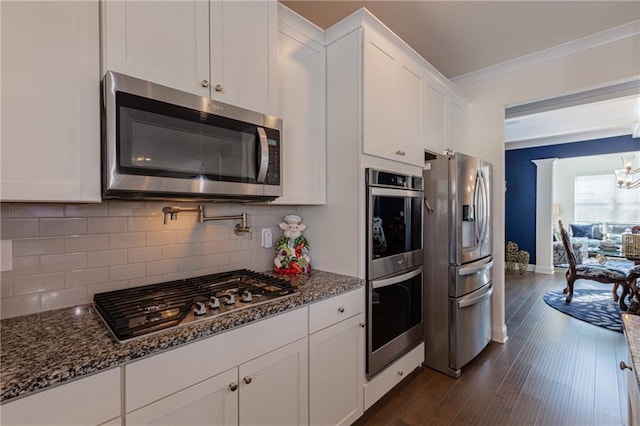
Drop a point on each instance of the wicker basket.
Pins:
(631, 245)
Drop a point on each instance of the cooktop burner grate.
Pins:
(134, 312)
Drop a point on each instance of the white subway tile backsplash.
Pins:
(86, 210)
(63, 262)
(63, 226)
(86, 277)
(37, 246)
(127, 208)
(76, 243)
(37, 283)
(161, 238)
(144, 254)
(63, 298)
(192, 236)
(208, 247)
(178, 250)
(127, 240)
(106, 225)
(127, 272)
(18, 228)
(107, 257)
(21, 305)
(65, 253)
(37, 210)
(191, 263)
(168, 266)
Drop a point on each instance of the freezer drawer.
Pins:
(470, 329)
(470, 277)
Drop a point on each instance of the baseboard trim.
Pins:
(544, 270)
(499, 334)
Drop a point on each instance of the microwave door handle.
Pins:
(264, 155)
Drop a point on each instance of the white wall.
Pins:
(566, 169)
(597, 66)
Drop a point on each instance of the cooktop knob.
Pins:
(230, 299)
(246, 296)
(200, 309)
(214, 303)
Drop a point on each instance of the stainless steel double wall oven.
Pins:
(394, 266)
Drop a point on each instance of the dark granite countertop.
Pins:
(632, 332)
(46, 349)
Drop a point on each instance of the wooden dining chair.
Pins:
(594, 272)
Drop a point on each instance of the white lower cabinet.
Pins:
(212, 402)
(336, 359)
(250, 394)
(92, 400)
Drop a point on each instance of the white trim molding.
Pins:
(611, 35)
(544, 229)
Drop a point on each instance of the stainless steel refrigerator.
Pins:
(457, 261)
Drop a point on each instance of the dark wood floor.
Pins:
(553, 370)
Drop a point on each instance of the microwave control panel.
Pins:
(273, 172)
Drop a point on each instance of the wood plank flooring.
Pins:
(553, 370)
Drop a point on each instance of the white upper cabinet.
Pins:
(301, 105)
(50, 101)
(226, 50)
(392, 108)
(444, 118)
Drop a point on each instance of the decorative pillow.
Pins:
(582, 231)
(597, 232)
(618, 229)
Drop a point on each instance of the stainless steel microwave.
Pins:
(162, 143)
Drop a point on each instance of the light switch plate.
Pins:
(6, 255)
(267, 238)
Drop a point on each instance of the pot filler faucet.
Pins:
(240, 228)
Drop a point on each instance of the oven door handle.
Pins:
(396, 279)
(264, 155)
(392, 192)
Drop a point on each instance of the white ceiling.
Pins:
(460, 37)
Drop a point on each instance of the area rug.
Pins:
(596, 307)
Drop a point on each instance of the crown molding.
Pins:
(621, 32)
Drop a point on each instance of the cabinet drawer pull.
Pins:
(247, 379)
(361, 325)
(218, 88)
(341, 309)
(205, 83)
(623, 365)
(233, 387)
(400, 152)
(400, 373)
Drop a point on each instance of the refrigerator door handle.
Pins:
(428, 206)
(482, 201)
(465, 303)
(476, 203)
(474, 268)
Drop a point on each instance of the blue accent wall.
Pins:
(520, 174)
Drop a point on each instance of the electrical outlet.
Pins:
(267, 238)
(6, 255)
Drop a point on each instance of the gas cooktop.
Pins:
(134, 312)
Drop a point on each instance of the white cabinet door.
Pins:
(50, 101)
(211, 402)
(336, 373)
(301, 105)
(89, 401)
(435, 118)
(456, 124)
(226, 50)
(244, 54)
(392, 108)
(166, 42)
(274, 388)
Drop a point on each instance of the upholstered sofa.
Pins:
(595, 232)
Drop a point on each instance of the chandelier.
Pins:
(626, 177)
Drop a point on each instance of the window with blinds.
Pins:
(598, 199)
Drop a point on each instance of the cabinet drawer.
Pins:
(392, 375)
(333, 310)
(153, 378)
